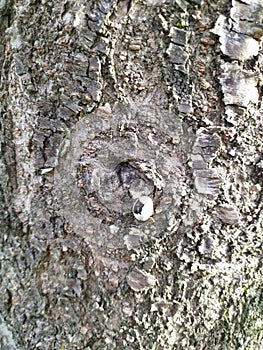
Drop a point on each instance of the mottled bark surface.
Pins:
(105, 101)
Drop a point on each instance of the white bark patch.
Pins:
(239, 86)
(207, 182)
(228, 214)
(235, 45)
(246, 17)
(238, 46)
(140, 280)
(80, 17)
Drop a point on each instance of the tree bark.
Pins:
(103, 102)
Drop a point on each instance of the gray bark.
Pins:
(103, 102)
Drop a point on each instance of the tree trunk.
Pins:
(103, 102)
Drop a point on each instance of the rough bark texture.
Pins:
(104, 101)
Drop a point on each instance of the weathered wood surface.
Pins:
(105, 101)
